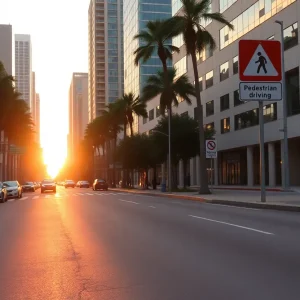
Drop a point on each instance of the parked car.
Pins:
(14, 189)
(100, 184)
(3, 193)
(84, 184)
(78, 184)
(48, 185)
(69, 183)
(28, 186)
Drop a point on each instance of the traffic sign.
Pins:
(260, 70)
(211, 149)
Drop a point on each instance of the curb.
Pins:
(279, 207)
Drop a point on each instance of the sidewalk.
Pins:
(285, 201)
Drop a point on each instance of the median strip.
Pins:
(234, 225)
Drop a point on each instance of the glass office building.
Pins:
(136, 15)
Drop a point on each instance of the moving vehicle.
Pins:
(69, 183)
(100, 184)
(14, 189)
(48, 185)
(28, 186)
(83, 184)
(3, 193)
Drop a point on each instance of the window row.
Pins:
(151, 114)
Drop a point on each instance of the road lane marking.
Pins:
(234, 225)
(10, 200)
(89, 194)
(79, 194)
(152, 206)
(128, 201)
(23, 198)
(35, 197)
(232, 206)
(47, 196)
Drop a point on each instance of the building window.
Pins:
(290, 36)
(236, 98)
(178, 41)
(210, 108)
(252, 17)
(224, 102)
(158, 111)
(292, 90)
(225, 125)
(225, 4)
(235, 63)
(180, 67)
(151, 114)
(209, 79)
(246, 119)
(145, 120)
(209, 126)
(224, 71)
(270, 112)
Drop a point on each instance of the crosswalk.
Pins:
(63, 195)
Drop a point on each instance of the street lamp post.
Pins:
(285, 162)
(169, 155)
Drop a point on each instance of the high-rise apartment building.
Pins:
(6, 47)
(236, 122)
(23, 70)
(105, 54)
(78, 110)
(37, 117)
(33, 98)
(136, 15)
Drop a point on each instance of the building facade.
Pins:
(136, 15)
(23, 69)
(78, 110)
(106, 68)
(236, 122)
(37, 117)
(6, 47)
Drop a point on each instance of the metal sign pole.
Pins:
(262, 152)
(211, 174)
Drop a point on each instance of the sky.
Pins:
(59, 35)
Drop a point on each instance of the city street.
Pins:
(82, 244)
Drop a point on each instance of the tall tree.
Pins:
(179, 88)
(196, 39)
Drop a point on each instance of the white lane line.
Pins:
(128, 201)
(100, 194)
(79, 194)
(152, 206)
(89, 194)
(234, 225)
(36, 197)
(232, 206)
(10, 200)
(47, 196)
(23, 198)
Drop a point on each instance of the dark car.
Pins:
(83, 184)
(100, 184)
(69, 183)
(48, 185)
(28, 186)
(3, 193)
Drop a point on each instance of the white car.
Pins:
(14, 189)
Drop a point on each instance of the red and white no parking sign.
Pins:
(211, 149)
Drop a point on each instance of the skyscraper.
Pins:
(23, 72)
(37, 117)
(33, 98)
(106, 57)
(136, 15)
(6, 47)
(78, 110)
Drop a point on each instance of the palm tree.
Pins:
(180, 87)
(128, 105)
(196, 38)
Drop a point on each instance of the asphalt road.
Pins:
(80, 244)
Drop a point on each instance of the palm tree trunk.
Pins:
(131, 129)
(184, 173)
(204, 189)
(114, 162)
(124, 183)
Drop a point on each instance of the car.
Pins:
(100, 184)
(3, 193)
(48, 185)
(78, 184)
(69, 183)
(84, 184)
(14, 189)
(28, 186)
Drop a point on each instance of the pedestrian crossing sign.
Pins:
(260, 61)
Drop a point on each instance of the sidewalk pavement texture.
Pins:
(284, 201)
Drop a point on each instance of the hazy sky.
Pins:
(58, 30)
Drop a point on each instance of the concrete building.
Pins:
(33, 98)
(236, 122)
(105, 54)
(37, 117)
(6, 47)
(23, 69)
(136, 15)
(78, 110)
